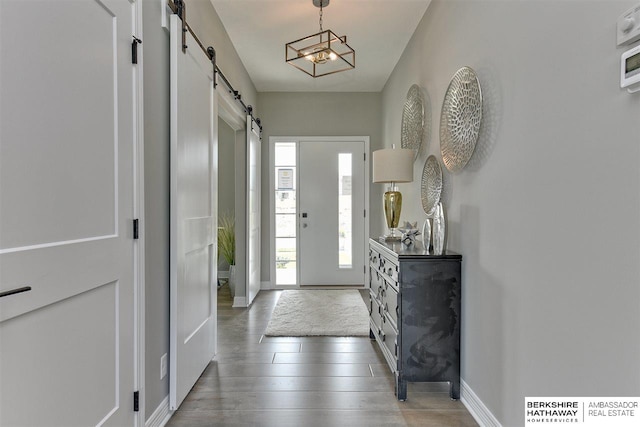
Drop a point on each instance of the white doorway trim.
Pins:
(230, 111)
(138, 212)
(301, 139)
(253, 196)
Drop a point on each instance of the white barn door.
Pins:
(194, 172)
(253, 209)
(67, 112)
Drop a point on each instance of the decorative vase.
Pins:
(438, 231)
(232, 280)
(426, 235)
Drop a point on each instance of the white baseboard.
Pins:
(476, 408)
(160, 416)
(239, 302)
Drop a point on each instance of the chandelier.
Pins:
(322, 53)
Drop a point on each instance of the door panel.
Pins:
(331, 212)
(66, 209)
(194, 160)
(87, 130)
(93, 359)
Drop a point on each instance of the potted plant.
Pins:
(227, 246)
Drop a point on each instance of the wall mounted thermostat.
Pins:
(630, 70)
(628, 26)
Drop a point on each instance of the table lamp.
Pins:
(393, 165)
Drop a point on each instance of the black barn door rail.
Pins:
(179, 7)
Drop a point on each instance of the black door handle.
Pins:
(15, 291)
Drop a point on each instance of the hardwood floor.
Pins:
(303, 381)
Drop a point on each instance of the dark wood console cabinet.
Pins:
(414, 306)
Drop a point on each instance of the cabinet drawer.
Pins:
(390, 302)
(389, 268)
(390, 339)
(374, 258)
(374, 312)
(376, 282)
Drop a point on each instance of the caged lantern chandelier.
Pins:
(322, 53)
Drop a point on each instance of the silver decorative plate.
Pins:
(431, 186)
(413, 120)
(460, 119)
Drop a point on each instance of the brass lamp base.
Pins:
(392, 208)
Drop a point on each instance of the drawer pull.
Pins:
(15, 291)
(383, 336)
(390, 272)
(395, 353)
(397, 311)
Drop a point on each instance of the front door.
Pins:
(67, 111)
(331, 212)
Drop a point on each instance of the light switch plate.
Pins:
(628, 26)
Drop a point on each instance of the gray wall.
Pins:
(156, 206)
(205, 22)
(226, 176)
(547, 213)
(314, 114)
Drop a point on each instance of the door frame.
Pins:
(251, 127)
(272, 188)
(230, 111)
(138, 212)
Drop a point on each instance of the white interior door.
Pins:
(331, 212)
(67, 131)
(253, 209)
(194, 200)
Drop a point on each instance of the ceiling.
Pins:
(378, 30)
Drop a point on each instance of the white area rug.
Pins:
(299, 313)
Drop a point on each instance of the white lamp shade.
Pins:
(393, 165)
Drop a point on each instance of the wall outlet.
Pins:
(163, 366)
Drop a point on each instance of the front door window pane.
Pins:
(285, 225)
(286, 261)
(285, 213)
(345, 211)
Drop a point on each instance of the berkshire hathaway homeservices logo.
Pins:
(582, 411)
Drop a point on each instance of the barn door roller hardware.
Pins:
(179, 7)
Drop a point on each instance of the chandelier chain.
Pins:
(321, 1)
